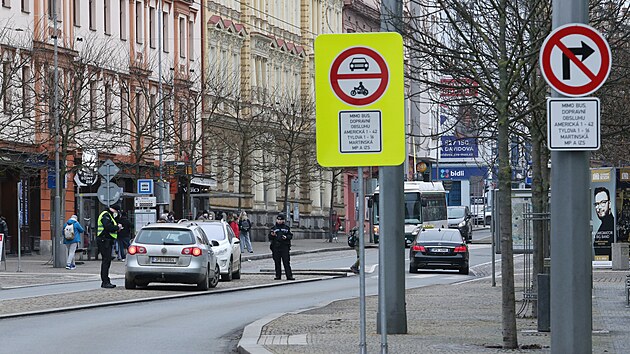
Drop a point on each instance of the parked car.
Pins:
(439, 249)
(460, 217)
(227, 248)
(171, 253)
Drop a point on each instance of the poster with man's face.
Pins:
(603, 217)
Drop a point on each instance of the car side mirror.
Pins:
(214, 243)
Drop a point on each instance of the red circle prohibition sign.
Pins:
(596, 79)
(335, 76)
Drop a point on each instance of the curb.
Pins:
(319, 250)
(251, 333)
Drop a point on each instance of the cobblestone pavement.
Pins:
(462, 317)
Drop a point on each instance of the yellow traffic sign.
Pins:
(359, 93)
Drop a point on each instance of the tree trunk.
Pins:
(505, 187)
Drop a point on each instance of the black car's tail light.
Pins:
(418, 248)
(460, 249)
(194, 251)
(136, 249)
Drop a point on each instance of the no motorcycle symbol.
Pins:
(359, 76)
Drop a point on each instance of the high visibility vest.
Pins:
(100, 228)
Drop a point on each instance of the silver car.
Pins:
(226, 247)
(171, 253)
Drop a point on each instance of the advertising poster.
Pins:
(603, 217)
(623, 205)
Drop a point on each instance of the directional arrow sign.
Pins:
(584, 51)
(575, 60)
(108, 170)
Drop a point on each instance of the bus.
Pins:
(425, 206)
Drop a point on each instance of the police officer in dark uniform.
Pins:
(280, 237)
(107, 233)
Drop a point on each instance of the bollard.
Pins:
(544, 303)
(620, 256)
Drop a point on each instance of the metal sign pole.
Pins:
(362, 342)
(571, 302)
(19, 233)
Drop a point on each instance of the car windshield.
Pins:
(214, 231)
(434, 235)
(455, 213)
(165, 237)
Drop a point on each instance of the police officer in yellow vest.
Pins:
(106, 235)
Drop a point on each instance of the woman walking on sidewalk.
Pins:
(71, 244)
(244, 226)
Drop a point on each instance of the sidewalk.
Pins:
(462, 317)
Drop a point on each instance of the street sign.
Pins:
(108, 193)
(573, 124)
(359, 76)
(86, 176)
(145, 202)
(360, 116)
(145, 186)
(108, 170)
(575, 60)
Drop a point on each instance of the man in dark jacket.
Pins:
(124, 236)
(280, 237)
(107, 233)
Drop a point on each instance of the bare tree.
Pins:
(82, 102)
(293, 145)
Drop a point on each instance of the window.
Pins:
(152, 27)
(191, 43)
(108, 106)
(124, 106)
(6, 86)
(52, 4)
(26, 6)
(106, 17)
(124, 4)
(152, 120)
(26, 93)
(76, 12)
(182, 36)
(139, 24)
(92, 16)
(93, 105)
(6, 3)
(165, 32)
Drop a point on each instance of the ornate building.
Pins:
(264, 50)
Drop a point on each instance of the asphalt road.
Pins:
(209, 323)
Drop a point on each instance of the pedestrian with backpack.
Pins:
(72, 238)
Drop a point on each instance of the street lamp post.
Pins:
(57, 219)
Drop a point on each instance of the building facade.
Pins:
(106, 58)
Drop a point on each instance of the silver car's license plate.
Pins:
(163, 260)
(440, 250)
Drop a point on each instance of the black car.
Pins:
(460, 217)
(439, 249)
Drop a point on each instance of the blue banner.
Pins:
(453, 147)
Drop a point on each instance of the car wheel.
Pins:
(205, 283)
(412, 269)
(228, 276)
(237, 274)
(130, 283)
(215, 279)
(464, 270)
